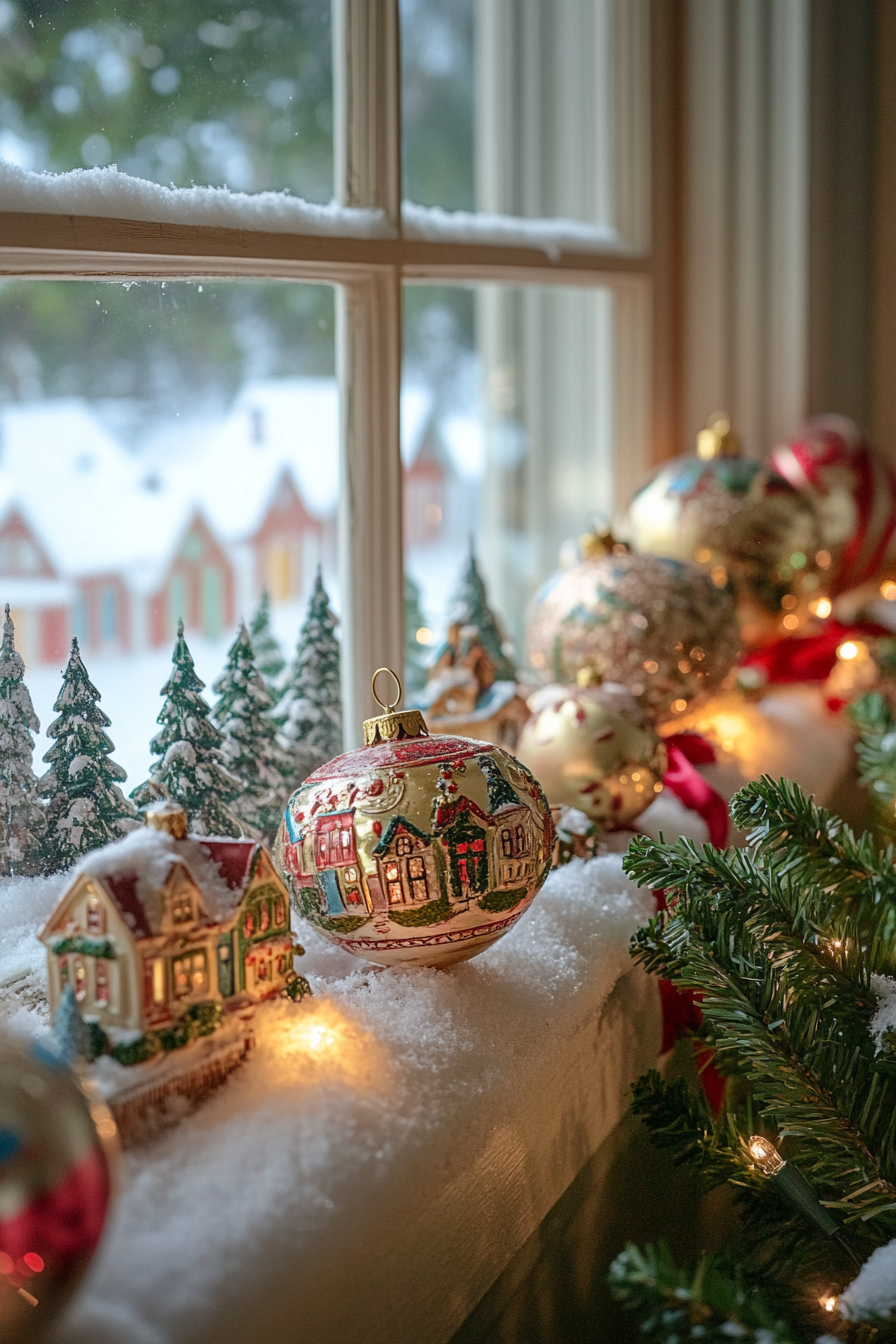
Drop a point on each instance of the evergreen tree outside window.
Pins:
(191, 769)
(85, 806)
(22, 821)
(268, 655)
(310, 710)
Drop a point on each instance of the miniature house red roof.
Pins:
(123, 872)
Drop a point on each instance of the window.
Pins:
(190, 975)
(264, 922)
(157, 980)
(109, 614)
(182, 910)
(245, 99)
(96, 915)
(80, 980)
(63, 972)
(280, 904)
(101, 981)
(404, 845)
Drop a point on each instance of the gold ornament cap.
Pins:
(718, 439)
(167, 816)
(393, 725)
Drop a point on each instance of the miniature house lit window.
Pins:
(80, 980)
(393, 884)
(521, 843)
(249, 924)
(279, 911)
(190, 975)
(158, 980)
(182, 911)
(404, 845)
(336, 840)
(507, 843)
(351, 874)
(264, 917)
(417, 876)
(63, 971)
(101, 981)
(96, 915)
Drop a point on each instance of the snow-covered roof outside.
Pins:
(35, 593)
(83, 494)
(416, 412)
(274, 424)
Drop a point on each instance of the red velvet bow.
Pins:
(808, 657)
(681, 1012)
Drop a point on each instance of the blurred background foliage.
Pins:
(217, 94)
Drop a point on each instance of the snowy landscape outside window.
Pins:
(174, 445)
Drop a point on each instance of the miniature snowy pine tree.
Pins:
(22, 820)
(268, 657)
(70, 1029)
(191, 769)
(250, 749)
(469, 606)
(310, 712)
(85, 806)
(416, 656)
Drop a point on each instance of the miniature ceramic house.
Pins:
(464, 697)
(159, 921)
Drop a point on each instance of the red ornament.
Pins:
(854, 494)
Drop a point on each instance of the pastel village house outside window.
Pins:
(161, 921)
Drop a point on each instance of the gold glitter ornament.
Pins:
(595, 751)
(741, 521)
(658, 626)
(416, 849)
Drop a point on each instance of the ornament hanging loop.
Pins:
(387, 708)
(394, 724)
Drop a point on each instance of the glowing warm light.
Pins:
(684, 666)
(823, 559)
(679, 706)
(848, 650)
(330, 1041)
(33, 1261)
(635, 776)
(719, 575)
(657, 788)
(650, 667)
(703, 556)
(765, 1155)
(888, 591)
(788, 601)
(829, 1303)
(791, 622)
(822, 607)
(424, 635)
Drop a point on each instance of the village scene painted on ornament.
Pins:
(422, 851)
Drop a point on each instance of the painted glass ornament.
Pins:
(56, 1150)
(742, 522)
(416, 849)
(595, 750)
(658, 626)
(854, 494)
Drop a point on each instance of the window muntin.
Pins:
(172, 91)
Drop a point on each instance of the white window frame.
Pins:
(368, 274)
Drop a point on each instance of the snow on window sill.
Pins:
(110, 194)
(551, 236)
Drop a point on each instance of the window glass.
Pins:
(236, 93)
(161, 442)
(507, 428)
(508, 109)
(437, 102)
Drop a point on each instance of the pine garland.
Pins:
(875, 726)
(781, 941)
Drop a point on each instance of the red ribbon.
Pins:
(808, 657)
(681, 1013)
(687, 750)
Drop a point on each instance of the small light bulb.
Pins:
(829, 1303)
(848, 650)
(766, 1155)
(888, 591)
(822, 607)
